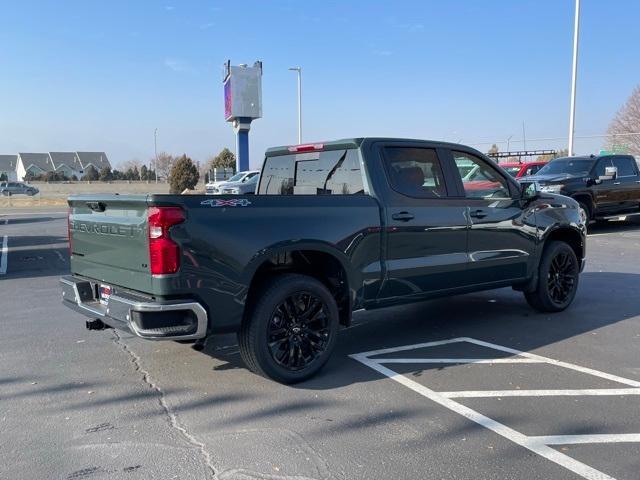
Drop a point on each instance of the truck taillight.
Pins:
(164, 253)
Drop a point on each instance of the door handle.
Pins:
(477, 213)
(402, 216)
(616, 183)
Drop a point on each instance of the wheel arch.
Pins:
(571, 236)
(318, 260)
(587, 199)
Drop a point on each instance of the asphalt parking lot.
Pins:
(471, 387)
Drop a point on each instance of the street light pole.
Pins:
(155, 148)
(572, 113)
(299, 71)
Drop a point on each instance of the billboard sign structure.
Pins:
(242, 92)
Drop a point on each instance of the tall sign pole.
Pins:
(572, 113)
(299, 71)
(242, 105)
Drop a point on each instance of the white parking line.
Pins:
(541, 393)
(4, 252)
(490, 361)
(587, 439)
(537, 444)
(21, 214)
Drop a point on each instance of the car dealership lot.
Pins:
(78, 404)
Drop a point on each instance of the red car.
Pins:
(518, 170)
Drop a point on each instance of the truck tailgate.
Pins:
(109, 239)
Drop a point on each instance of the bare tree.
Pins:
(224, 159)
(493, 150)
(164, 164)
(626, 120)
(130, 164)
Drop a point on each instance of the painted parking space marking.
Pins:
(4, 251)
(541, 445)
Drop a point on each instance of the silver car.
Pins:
(243, 187)
(240, 177)
(17, 188)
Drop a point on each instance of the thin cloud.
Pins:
(207, 26)
(178, 66)
(382, 53)
(169, 8)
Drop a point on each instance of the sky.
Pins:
(103, 75)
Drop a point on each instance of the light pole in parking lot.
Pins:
(155, 149)
(299, 71)
(572, 113)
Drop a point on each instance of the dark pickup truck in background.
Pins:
(334, 227)
(604, 186)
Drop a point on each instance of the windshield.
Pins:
(573, 166)
(236, 177)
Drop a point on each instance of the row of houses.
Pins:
(16, 167)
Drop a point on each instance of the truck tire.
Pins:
(558, 275)
(291, 329)
(585, 211)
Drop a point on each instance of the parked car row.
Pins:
(242, 183)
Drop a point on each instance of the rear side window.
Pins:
(335, 172)
(626, 166)
(415, 172)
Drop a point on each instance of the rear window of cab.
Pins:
(334, 172)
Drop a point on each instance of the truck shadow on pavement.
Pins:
(37, 256)
(498, 316)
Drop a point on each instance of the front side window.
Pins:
(480, 180)
(415, 172)
(601, 167)
(626, 166)
(334, 172)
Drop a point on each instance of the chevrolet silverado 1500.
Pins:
(333, 227)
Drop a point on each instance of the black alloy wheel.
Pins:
(558, 277)
(290, 328)
(298, 332)
(562, 277)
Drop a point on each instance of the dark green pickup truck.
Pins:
(333, 227)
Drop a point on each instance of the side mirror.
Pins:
(529, 189)
(610, 173)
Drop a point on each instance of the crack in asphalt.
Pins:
(172, 417)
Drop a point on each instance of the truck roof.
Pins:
(354, 142)
(594, 157)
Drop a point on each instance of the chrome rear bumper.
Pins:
(127, 312)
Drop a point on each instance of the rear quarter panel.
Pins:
(224, 243)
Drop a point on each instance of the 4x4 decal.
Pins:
(234, 202)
